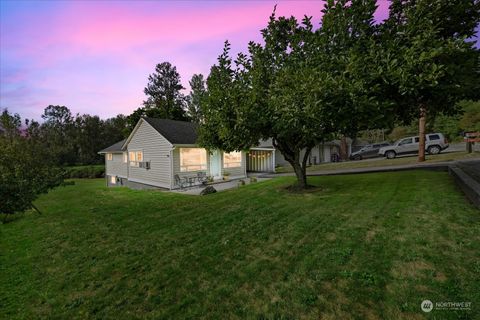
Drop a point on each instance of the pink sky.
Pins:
(95, 56)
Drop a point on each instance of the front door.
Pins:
(216, 164)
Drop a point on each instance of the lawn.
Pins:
(384, 162)
(367, 246)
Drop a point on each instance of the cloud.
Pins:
(95, 56)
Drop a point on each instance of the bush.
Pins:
(85, 172)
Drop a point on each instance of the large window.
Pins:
(109, 157)
(135, 157)
(232, 159)
(193, 159)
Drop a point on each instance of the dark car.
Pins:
(368, 151)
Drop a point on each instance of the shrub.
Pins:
(88, 172)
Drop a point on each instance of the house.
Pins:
(265, 158)
(163, 153)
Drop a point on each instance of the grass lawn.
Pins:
(370, 246)
(384, 162)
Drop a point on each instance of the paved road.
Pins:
(471, 163)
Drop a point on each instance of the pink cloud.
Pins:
(95, 56)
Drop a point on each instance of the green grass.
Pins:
(358, 247)
(384, 162)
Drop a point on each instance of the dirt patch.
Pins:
(411, 269)
(440, 276)
(331, 236)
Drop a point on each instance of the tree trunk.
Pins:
(301, 175)
(299, 165)
(343, 148)
(421, 134)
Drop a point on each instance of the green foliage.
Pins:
(26, 170)
(90, 172)
(429, 61)
(196, 97)
(470, 120)
(300, 87)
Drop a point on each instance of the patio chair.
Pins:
(179, 182)
(202, 177)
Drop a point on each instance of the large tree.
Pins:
(26, 168)
(196, 97)
(163, 92)
(432, 63)
(301, 87)
(58, 134)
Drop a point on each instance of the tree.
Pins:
(10, 124)
(196, 97)
(432, 65)
(89, 138)
(300, 88)
(163, 92)
(58, 134)
(26, 170)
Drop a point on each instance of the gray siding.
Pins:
(116, 166)
(156, 149)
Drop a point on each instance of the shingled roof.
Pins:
(177, 132)
(117, 147)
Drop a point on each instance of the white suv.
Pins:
(434, 144)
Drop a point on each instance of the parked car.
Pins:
(434, 144)
(368, 151)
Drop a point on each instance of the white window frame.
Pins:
(109, 156)
(113, 179)
(232, 164)
(134, 159)
(192, 167)
(125, 157)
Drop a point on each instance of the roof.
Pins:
(117, 147)
(176, 132)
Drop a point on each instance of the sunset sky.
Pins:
(95, 56)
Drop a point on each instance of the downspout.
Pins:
(273, 159)
(171, 167)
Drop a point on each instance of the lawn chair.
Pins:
(202, 177)
(179, 182)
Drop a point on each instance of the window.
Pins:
(113, 180)
(109, 156)
(125, 157)
(135, 157)
(405, 141)
(193, 159)
(232, 159)
(434, 137)
(417, 139)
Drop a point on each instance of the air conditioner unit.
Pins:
(144, 165)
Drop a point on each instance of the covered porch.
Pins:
(261, 160)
